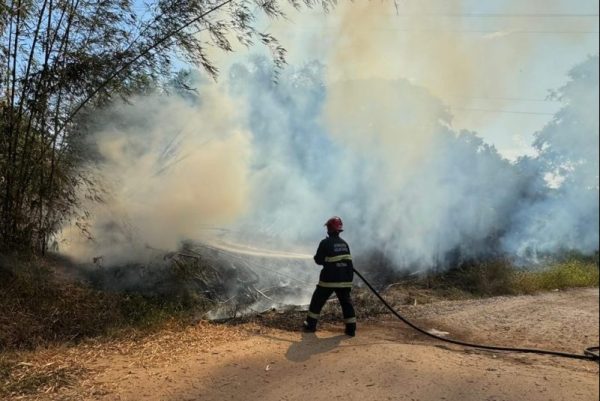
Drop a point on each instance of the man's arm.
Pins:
(320, 255)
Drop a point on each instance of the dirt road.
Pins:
(386, 361)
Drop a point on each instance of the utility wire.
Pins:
(220, 5)
(507, 32)
(492, 15)
(503, 111)
(519, 99)
(499, 31)
(500, 15)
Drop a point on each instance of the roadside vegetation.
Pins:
(502, 278)
(40, 308)
(568, 274)
(43, 307)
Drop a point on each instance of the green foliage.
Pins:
(500, 277)
(487, 278)
(60, 61)
(569, 274)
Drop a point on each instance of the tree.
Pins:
(62, 59)
(560, 210)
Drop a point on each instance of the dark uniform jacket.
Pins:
(334, 255)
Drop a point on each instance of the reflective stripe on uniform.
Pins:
(350, 320)
(338, 258)
(339, 284)
(313, 315)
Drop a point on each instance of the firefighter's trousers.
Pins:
(321, 295)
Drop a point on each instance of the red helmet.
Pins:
(334, 224)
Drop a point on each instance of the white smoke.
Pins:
(380, 154)
(271, 162)
(561, 211)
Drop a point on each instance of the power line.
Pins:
(519, 99)
(495, 31)
(549, 32)
(503, 111)
(498, 31)
(493, 15)
(500, 15)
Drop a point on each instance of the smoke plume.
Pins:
(271, 162)
(170, 165)
(266, 164)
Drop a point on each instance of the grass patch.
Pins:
(500, 277)
(487, 278)
(38, 308)
(569, 274)
(23, 378)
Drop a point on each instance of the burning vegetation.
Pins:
(137, 196)
(54, 300)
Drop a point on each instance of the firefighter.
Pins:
(336, 276)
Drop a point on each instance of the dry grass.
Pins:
(41, 309)
(59, 371)
(20, 378)
(38, 308)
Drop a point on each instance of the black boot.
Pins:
(309, 325)
(350, 329)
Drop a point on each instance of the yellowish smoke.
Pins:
(179, 167)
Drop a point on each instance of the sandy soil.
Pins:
(386, 361)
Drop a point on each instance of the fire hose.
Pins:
(590, 353)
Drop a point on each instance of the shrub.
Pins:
(500, 277)
(486, 278)
(569, 274)
(38, 308)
